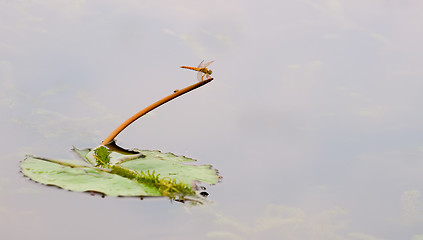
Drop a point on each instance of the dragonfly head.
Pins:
(209, 72)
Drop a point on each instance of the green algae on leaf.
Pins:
(102, 157)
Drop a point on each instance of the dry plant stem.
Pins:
(132, 119)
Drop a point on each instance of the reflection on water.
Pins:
(412, 205)
(314, 116)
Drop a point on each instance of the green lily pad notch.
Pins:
(114, 171)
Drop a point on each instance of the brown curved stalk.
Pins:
(132, 119)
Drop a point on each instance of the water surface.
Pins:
(314, 118)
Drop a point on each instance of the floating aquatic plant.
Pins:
(111, 170)
(102, 157)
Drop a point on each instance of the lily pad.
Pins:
(127, 173)
(83, 179)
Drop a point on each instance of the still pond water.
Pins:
(314, 118)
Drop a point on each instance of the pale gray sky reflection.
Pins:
(314, 117)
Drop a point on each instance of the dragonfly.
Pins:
(203, 73)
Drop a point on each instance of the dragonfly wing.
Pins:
(206, 64)
(201, 64)
(200, 76)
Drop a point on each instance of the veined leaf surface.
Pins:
(82, 175)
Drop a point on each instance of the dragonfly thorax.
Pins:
(206, 71)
